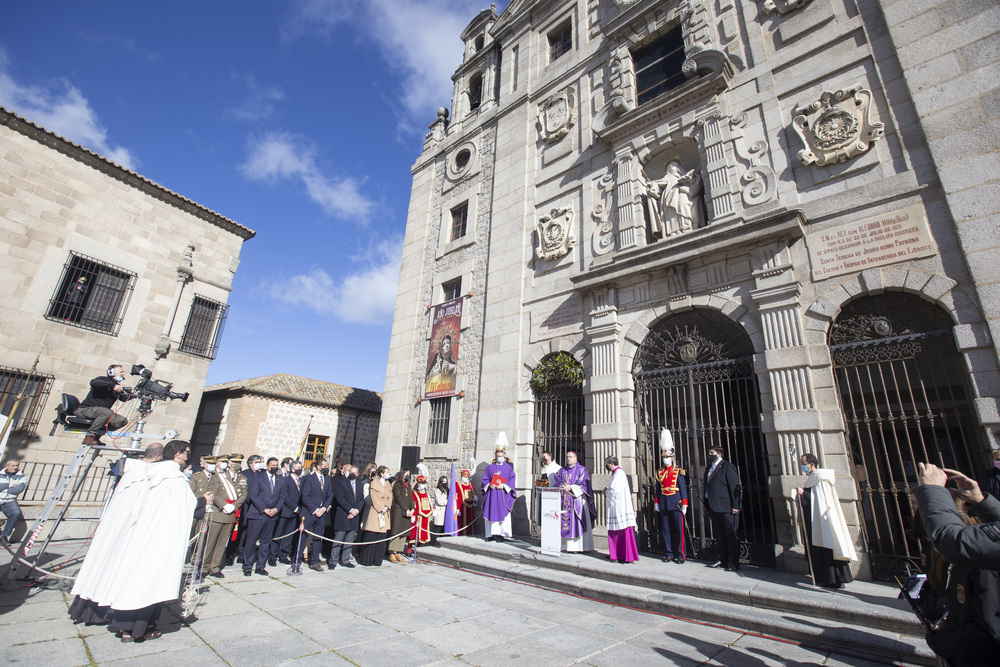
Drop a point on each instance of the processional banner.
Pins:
(442, 358)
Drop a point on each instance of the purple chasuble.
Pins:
(573, 525)
(497, 503)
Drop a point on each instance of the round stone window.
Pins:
(462, 159)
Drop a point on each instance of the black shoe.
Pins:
(272, 562)
(247, 573)
(285, 560)
(261, 571)
(500, 538)
(347, 565)
(679, 561)
(239, 559)
(217, 575)
(330, 565)
(717, 563)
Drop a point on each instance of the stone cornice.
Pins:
(782, 224)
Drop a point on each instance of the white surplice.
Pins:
(621, 513)
(152, 564)
(101, 566)
(829, 528)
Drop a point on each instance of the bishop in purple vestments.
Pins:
(498, 497)
(578, 511)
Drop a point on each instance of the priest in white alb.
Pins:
(829, 545)
(114, 531)
(621, 515)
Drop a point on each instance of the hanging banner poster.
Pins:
(442, 360)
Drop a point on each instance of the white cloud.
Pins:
(260, 103)
(367, 296)
(61, 108)
(278, 155)
(418, 38)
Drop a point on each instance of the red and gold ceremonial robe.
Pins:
(465, 498)
(420, 530)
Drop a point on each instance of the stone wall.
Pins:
(56, 199)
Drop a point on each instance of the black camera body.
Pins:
(148, 389)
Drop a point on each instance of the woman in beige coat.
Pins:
(377, 523)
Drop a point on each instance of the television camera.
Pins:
(147, 389)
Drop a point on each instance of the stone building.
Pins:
(101, 266)
(768, 225)
(277, 415)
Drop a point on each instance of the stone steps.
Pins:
(865, 619)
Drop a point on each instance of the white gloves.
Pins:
(684, 509)
(656, 507)
(229, 508)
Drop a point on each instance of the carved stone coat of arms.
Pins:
(836, 127)
(557, 115)
(555, 234)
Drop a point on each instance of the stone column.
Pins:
(631, 222)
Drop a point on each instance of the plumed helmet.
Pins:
(666, 443)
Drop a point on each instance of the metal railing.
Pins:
(43, 477)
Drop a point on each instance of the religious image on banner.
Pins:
(442, 364)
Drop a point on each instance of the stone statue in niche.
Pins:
(674, 203)
(555, 236)
(837, 126)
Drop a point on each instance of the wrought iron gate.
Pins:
(902, 386)
(694, 375)
(558, 429)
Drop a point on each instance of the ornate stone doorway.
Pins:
(903, 389)
(694, 375)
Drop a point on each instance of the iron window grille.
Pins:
(35, 387)
(658, 66)
(91, 294)
(459, 221)
(560, 41)
(204, 327)
(440, 420)
(452, 289)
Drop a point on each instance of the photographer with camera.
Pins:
(970, 632)
(105, 391)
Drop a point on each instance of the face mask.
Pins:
(501, 459)
(422, 488)
(258, 466)
(273, 471)
(352, 477)
(712, 458)
(119, 379)
(297, 472)
(188, 473)
(222, 466)
(804, 468)
(667, 461)
(465, 480)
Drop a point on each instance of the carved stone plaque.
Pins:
(836, 127)
(555, 234)
(886, 239)
(557, 115)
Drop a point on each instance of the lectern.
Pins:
(551, 523)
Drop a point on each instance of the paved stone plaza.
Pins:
(412, 614)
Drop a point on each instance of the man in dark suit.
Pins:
(254, 463)
(267, 495)
(289, 516)
(724, 498)
(350, 499)
(317, 495)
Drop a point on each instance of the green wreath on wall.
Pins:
(559, 368)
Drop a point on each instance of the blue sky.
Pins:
(297, 118)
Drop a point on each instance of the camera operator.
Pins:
(104, 392)
(970, 634)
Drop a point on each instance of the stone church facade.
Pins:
(762, 225)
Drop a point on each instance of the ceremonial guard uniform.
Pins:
(230, 490)
(672, 503)
(235, 470)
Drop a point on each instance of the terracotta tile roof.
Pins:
(115, 170)
(299, 389)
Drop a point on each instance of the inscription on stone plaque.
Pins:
(550, 322)
(885, 239)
